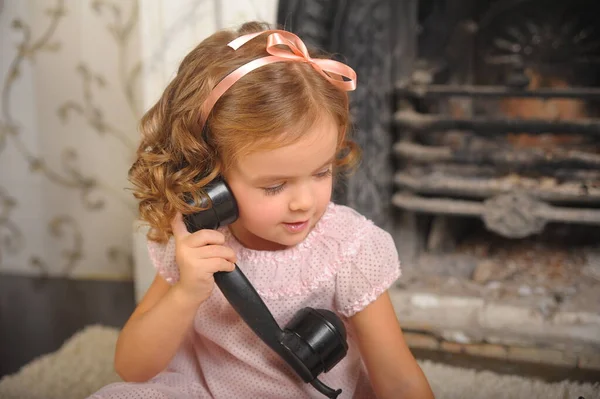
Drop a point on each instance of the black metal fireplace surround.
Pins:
(479, 123)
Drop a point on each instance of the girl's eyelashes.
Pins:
(279, 188)
(324, 174)
(274, 190)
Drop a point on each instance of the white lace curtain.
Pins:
(76, 77)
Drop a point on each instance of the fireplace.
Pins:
(498, 179)
(494, 191)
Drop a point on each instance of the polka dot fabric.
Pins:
(344, 264)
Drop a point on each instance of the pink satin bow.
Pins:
(331, 70)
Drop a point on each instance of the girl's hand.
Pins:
(198, 256)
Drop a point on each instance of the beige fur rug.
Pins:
(84, 364)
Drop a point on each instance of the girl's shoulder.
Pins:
(370, 265)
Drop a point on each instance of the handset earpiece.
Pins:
(222, 210)
(314, 341)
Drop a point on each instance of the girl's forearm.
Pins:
(414, 387)
(149, 341)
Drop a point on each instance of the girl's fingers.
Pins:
(215, 251)
(204, 237)
(219, 265)
(196, 239)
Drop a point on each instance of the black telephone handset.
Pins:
(312, 342)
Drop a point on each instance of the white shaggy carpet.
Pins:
(84, 364)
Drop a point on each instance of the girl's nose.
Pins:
(302, 198)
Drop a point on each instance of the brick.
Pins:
(487, 350)
(452, 347)
(542, 355)
(506, 317)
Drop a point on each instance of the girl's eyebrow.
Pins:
(269, 178)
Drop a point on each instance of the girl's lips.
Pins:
(297, 226)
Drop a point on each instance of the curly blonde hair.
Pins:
(269, 107)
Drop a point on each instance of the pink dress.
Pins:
(344, 264)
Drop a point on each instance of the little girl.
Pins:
(255, 108)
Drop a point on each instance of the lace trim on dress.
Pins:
(285, 255)
(304, 266)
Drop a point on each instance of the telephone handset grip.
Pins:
(249, 305)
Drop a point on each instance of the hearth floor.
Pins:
(505, 321)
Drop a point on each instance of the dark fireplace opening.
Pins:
(504, 129)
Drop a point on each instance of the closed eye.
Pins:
(323, 174)
(274, 189)
(279, 188)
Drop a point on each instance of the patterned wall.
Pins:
(76, 75)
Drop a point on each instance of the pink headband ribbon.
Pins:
(331, 70)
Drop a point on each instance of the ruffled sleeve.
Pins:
(163, 260)
(368, 273)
